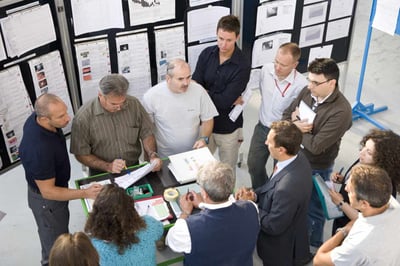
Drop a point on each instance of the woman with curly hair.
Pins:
(379, 148)
(119, 234)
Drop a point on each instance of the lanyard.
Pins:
(286, 88)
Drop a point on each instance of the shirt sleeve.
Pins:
(178, 237)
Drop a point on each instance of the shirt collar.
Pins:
(282, 164)
(209, 206)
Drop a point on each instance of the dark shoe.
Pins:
(160, 244)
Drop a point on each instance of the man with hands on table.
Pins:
(211, 236)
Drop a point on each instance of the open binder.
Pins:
(331, 211)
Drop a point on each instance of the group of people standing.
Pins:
(281, 215)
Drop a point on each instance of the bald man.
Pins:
(44, 156)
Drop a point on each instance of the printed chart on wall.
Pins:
(48, 76)
(134, 62)
(15, 108)
(170, 43)
(150, 11)
(27, 30)
(93, 63)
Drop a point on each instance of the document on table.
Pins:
(154, 206)
(128, 179)
(306, 112)
(89, 202)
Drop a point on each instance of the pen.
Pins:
(341, 170)
(298, 117)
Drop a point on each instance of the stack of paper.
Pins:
(185, 165)
(154, 206)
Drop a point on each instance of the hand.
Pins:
(337, 178)
(197, 199)
(336, 197)
(186, 204)
(199, 144)
(158, 163)
(304, 126)
(93, 190)
(117, 166)
(245, 194)
(239, 100)
(296, 114)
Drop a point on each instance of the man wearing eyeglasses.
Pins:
(106, 131)
(322, 137)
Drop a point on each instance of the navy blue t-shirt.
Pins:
(44, 154)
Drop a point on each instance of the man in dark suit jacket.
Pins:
(283, 200)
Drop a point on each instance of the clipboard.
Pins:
(331, 211)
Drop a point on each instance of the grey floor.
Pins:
(19, 243)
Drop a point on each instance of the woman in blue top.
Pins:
(119, 234)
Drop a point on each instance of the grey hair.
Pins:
(217, 179)
(115, 84)
(42, 104)
(173, 63)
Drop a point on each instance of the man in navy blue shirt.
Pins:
(224, 71)
(44, 156)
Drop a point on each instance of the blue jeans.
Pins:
(316, 218)
(258, 156)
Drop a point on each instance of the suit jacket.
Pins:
(283, 206)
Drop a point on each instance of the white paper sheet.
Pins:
(320, 52)
(386, 15)
(202, 23)
(150, 11)
(15, 108)
(265, 48)
(338, 29)
(314, 14)
(275, 16)
(128, 179)
(194, 52)
(48, 76)
(134, 62)
(95, 15)
(311, 35)
(3, 54)
(93, 64)
(238, 109)
(170, 43)
(193, 3)
(28, 29)
(306, 112)
(341, 8)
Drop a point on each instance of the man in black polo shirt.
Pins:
(44, 156)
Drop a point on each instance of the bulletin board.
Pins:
(31, 63)
(321, 28)
(137, 45)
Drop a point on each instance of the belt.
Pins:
(34, 190)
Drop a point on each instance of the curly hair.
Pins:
(114, 218)
(387, 152)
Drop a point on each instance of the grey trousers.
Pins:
(52, 218)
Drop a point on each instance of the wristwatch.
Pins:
(205, 138)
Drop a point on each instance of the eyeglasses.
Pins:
(316, 83)
(115, 106)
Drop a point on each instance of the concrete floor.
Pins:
(19, 242)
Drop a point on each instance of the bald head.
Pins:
(43, 102)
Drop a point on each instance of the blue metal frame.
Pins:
(360, 110)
